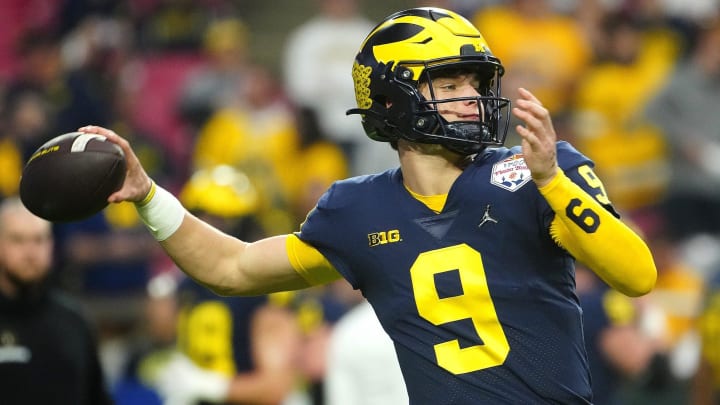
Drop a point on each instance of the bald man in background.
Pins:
(48, 351)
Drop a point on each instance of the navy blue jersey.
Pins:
(214, 331)
(479, 300)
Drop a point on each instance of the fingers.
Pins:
(530, 110)
(111, 136)
(93, 129)
(530, 114)
(537, 119)
(528, 136)
(532, 129)
(137, 182)
(527, 95)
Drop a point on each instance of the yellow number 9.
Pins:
(594, 181)
(475, 304)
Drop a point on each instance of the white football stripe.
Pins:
(81, 142)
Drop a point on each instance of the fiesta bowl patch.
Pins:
(511, 173)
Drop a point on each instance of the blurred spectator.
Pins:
(315, 67)
(75, 87)
(247, 339)
(257, 135)
(49, 350)
(230, 350)
(706, 384)
(24, 120)
(106, 261)
(214, 86)
(686, 113)
(152, 149)
(542, 50)
(17, 17)
(318, 163)
(678, 15)
(607, 117)
(171, 25)
(34, 97)
(74, 13)
(679, 292)
(590, 15)
(678, 295)
(152, 84)
(318, 309)
(154, 342)
(98, 47)
(362, 368)
(621, 345)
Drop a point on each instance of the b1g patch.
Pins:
(511, 173)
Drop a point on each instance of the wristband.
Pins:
(161, 212)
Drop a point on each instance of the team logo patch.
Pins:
(382, 238)
(511, 173)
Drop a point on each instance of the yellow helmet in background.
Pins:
(222, 191)
(227, 34)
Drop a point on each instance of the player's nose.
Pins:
(469, 91)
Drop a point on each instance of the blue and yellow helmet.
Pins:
(411, 47)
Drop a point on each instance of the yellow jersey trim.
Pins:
(435, 202)
(309, 263)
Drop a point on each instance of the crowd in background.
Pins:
(633, 84)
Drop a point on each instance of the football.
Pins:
(70, 177)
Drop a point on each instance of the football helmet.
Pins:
(412, 47)
(222, 191)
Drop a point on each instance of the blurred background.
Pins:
(238, 107)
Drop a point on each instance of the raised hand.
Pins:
(538, 137)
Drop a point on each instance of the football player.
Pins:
(466, 251)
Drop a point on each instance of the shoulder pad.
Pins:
(569, 157)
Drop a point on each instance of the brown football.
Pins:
(70, 177)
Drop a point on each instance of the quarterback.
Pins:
(465, 251)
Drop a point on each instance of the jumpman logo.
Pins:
(487, 218)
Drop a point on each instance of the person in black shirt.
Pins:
(48, 351)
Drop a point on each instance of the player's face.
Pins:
(25, 247)
(461, 85)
